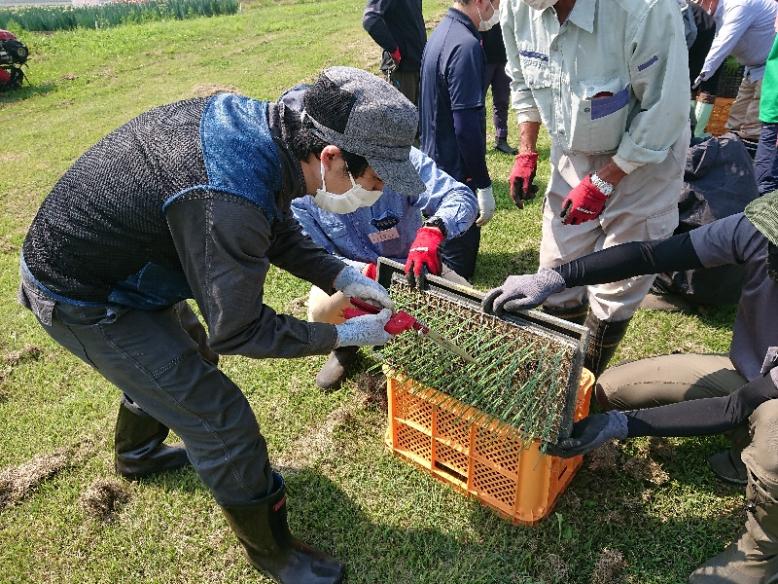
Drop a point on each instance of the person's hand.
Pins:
(584, 203)
(424, 255)
(522, 177)
(367, 330)
(352, 282)
(697, 82)
(486, 205)
(371, 271)
(590, 433)
(390, 61)
(522, 292)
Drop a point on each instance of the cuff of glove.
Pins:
(618, 424)
(346, 276)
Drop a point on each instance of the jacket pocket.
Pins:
(661, 225)
(599, 116)
(534, 68)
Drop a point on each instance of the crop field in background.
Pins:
(647, 512)
(51, 18)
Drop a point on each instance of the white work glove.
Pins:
(486, 205)
(364, 330)
(352, 282)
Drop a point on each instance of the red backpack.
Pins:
(13, 54)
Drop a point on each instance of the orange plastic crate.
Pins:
(719, 116)
(482, 457)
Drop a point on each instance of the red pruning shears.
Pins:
(401, 321)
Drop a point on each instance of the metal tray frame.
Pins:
(536, 321)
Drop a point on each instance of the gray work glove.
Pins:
(522, 292)
(770, 360)
(365, 330)
(352, 282)
(592, 432)
(486, 205)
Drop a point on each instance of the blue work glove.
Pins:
(522, 292)
(365, 330)
(354, 283)
(591, 433)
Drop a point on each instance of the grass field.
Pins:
(647, 512)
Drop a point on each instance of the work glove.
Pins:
(523, 292)
(390, 61)
(371, 271)
(592, 432)
(367, 330)
(352, 282)
(486, 205)
(424, 255)
(522, 177)
(697, 82)
(584, 203)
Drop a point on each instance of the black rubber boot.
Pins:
(752, 559)
(503, 146)
(728, 466)
(337, 368)
(138, 444)
(263, 530)
(604, 339)
(575, 314)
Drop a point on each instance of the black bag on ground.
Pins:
(718, 182)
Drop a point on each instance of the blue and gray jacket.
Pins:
(188, 200)
(388, 227)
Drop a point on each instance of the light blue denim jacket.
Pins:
(388, 227)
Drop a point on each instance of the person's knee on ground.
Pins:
(323, 307)
(753, 558)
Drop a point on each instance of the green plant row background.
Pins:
(39, 18)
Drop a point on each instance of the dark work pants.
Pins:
(151, 358)
(498, 79)
(408, 84)
(461, 252)
(766, 161)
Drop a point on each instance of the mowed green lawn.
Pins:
(647, 512)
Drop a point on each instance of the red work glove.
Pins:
(584, 203)
(522, 175)
(370, 271)
(396, 55)
(424, 255)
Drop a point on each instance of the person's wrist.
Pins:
(435, 223)
(605, 187)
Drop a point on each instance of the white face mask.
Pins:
(354, 198)
(491, 21)
(540, 4)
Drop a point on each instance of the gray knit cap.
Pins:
(381, 127)
(763, 213)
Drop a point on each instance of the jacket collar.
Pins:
(582, 14)
(292, 180)
(463, 18)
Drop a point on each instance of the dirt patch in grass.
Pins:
(609, 568)
(554, 570)
(605, 458)
(104, 498)
(660, 449)
(16, 358)
(373, 386)
(646, 469)
(17, 483)
(206, 89)
(315, 444)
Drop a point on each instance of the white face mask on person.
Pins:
(354, 198)
(489, 22)
(540, 4)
